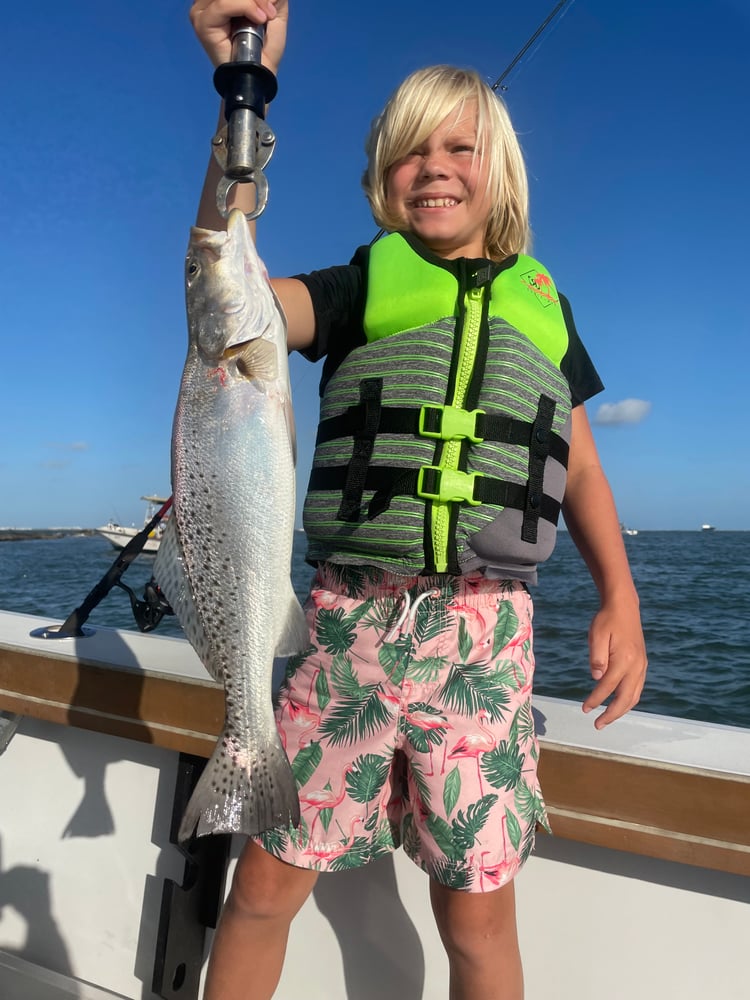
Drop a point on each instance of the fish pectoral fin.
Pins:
(172, 578)
(294, 635)
(256, 359)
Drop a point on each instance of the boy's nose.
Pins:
(433, 165)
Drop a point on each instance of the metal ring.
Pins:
(226, 184)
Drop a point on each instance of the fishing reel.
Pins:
(149, 611)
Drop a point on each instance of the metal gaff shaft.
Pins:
(244, 147)
(242, 118)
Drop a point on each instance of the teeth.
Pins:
(435, 203)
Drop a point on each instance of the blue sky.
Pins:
(633, 118)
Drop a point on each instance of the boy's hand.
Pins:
(618, 660)
(212, 22)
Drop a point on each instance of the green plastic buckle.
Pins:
(453, 423)
(451, 486)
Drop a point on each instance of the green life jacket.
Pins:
(443, 439)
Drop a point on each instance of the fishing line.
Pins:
(539, 31)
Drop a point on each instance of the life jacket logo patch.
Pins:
(541, 285)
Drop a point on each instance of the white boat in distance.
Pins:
(119, 536)
(628, 531)
(708, 527)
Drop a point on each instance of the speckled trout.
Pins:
(224, 563)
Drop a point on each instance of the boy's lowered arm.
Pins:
(616, 645)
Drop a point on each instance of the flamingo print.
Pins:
(427, 723)
(302, 716)
(523, 634)
(475, 744)
(324, 798)
(333, 850)
(501, 872)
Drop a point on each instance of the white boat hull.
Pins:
(118, 536)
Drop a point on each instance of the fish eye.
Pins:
(192, 269)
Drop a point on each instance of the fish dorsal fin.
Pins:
(171, 576)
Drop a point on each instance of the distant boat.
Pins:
(708, 527)
(628, 531)
(119, 536)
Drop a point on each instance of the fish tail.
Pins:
(248, 797)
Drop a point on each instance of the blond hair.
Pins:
(414, 111)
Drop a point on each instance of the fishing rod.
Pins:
(148, 612)
(243, 147)
(522, 52)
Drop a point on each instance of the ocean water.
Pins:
(695, 604)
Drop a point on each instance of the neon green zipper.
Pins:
(441, 511)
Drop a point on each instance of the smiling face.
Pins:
(439, 189)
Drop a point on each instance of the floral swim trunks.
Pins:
(408, 722)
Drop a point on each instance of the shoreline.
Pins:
(35, 534)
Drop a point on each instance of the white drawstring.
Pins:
(408, 613)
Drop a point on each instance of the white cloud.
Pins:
(68, 445)
(627, 411)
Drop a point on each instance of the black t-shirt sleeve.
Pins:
(337, 295)
(576, 365)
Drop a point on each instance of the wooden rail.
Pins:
(686, 814)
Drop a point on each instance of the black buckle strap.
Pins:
(370, 409)
(429, 421)
(387, 483)
(539, 448)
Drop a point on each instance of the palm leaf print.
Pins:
(513, 827)
(452, 790)
(325, 815)
(452, 875)
(421, 736)
(506, 627)
(502, 766)
(466, 828)
(296, 660)
(357, 855)
(275, 841)
(351, 580)
(423, 789)
(430, 620)
(522, 727)
(528, 843)
(322, 691)
(393, 657)
(344, 679)
(506, 672)
(465, 642)
(428, 669)
(412, 842)
(443, 834)
(474, 686)
(367, 777)
(306, 762)
(356, 718)
(530, 805)
(334, 630)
